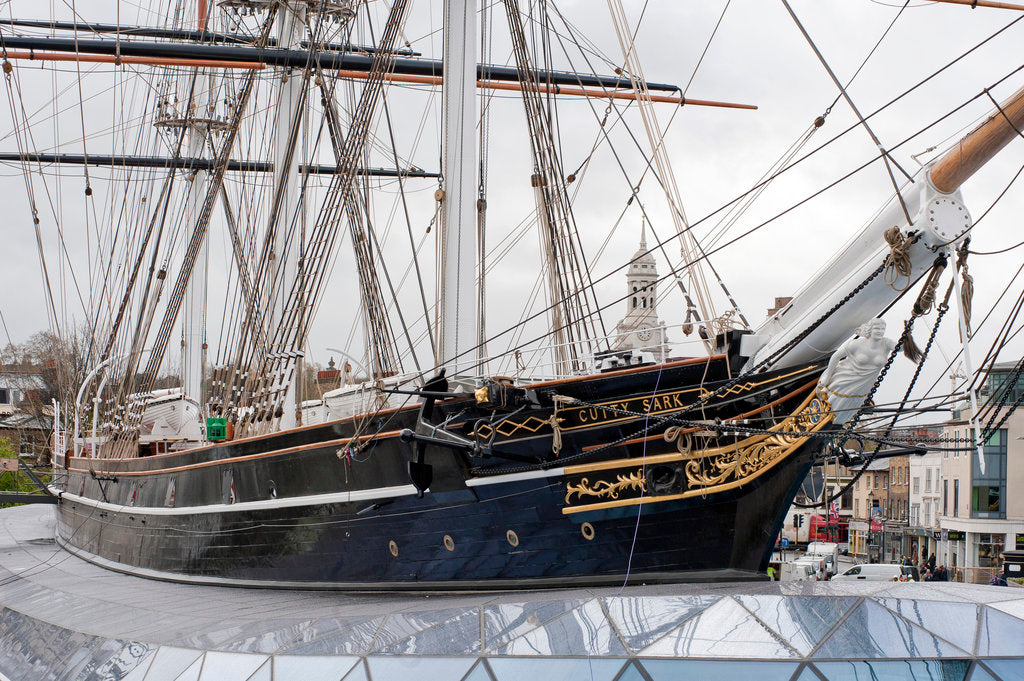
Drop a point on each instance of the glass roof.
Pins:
(770, 636)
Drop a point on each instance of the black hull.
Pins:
(309, 518)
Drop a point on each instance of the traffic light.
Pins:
(799, 521)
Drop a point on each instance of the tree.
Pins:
(10, 481)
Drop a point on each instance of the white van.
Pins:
(879, 572)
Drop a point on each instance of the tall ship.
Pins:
(267, 178)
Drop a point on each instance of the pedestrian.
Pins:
(771, 573)
(931, 561)
(998, 580)
(941, 575)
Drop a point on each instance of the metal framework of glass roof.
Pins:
(63, 618)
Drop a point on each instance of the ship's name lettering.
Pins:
(656, 404)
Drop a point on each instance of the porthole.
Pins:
(393, 548)
(512, 538)
(449, 543)
(587, 530)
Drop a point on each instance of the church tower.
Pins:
(641, 329)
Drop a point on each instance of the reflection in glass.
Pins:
(723, 630)
(1000, 634)
(642, 619)
(893, 670)
(402, 625)
(871, 631)
(583, 631)
(504, 622)
(955, 622)
(801, 621)
(458, 636)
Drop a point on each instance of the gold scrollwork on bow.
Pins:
(741, 460)
(603, 488)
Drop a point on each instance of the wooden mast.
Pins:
(979, 146)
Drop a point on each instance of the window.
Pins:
(956, 496)
(927, 513)
(927, 479)
(945, 497)
(917, 485)
(856, 508)
(988, 489)
(915, 513)
(5, 396)
(989, 548)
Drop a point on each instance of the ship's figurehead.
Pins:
(853, 368)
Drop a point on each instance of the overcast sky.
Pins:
(758, 56)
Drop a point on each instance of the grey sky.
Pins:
(758, 57)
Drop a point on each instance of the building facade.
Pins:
(982, 489)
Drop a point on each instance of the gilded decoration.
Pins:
(706, 471)
(605, 489)
(739, 461)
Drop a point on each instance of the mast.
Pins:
(286, 218)
(457, 313)
(193, 365)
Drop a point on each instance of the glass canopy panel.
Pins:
(555, 669)
(643, 619)
(808, 674)
(309, 667)
(336, 636)
(631, 673)
(1015, 608)
(1008, 670)
(719, 670)
(192, 673)
(955, 622)
(801, 621)
(263, 637)
(403, 625)
(169, 662)
(1000, 634)
(894, 670)
(480, 673)
(139, 673)
(583, 631)
(872, 631)
(266, 673)
(358, 673)
(386, 668)
(230, 666)
(458, 636)
(506, 621)
(979, 673)
(723, 630)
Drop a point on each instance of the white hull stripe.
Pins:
(292, 502)
(515, 477)
(263, 504)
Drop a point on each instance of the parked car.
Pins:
(879, 572)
